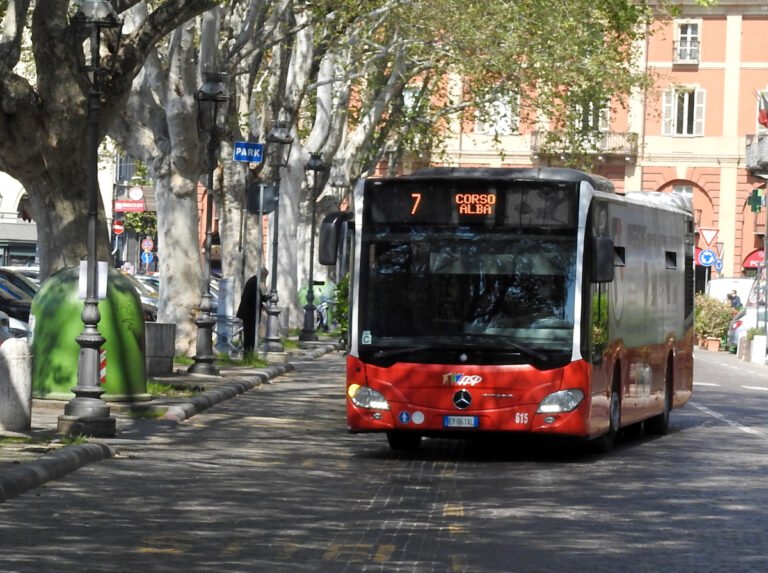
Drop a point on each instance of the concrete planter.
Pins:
(712, 344)
(742, 350)
(160, 344)
(15, 386)
(757, 350)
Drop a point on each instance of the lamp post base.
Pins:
(308, 333)
(204, 357)
(203, 366)
(272, 343)
(95, 426)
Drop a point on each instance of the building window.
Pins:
(684, 190)
(125, 168)
(499, 117)
(591, 117)
(683, 112)
(687, 44)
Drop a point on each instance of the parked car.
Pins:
(32, 273)
(20, 281)
(742, 322)
(17, 308)
(5, 328)
(148, 298)
(152, 284)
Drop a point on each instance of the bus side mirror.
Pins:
(602, 260)
(331, 235)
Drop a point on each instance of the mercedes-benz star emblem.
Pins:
(462, 399)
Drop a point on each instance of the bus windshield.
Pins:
(470, 286)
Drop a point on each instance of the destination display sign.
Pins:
(471, 202)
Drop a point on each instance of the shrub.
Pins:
(342, 303)
(752, 332)
(712, 317)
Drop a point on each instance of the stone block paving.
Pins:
(33, 457)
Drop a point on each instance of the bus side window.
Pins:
(601, 270)
(599, 322)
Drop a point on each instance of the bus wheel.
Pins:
(659, 424)
(606, 442)
(404, 441)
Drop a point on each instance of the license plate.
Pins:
(461, 421)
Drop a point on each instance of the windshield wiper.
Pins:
(466, 343)
(522, 348)
(405, 350)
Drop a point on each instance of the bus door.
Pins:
(599, 264)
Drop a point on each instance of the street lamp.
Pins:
(87, 413)
(316, 166)
(211, 99)
(279, 142)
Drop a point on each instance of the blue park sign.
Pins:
(248, 152)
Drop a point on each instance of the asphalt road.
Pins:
(271, 481)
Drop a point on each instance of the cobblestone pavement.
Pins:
(271, 481)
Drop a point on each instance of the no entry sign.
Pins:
(118, 227)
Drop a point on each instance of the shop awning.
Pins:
(754, 259)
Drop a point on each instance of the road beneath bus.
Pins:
(271, 481)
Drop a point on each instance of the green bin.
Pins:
(56, 323)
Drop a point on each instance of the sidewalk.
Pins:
(37, 456)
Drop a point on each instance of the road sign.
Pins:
(147, 244)
(118, 227)
(254, 195)
(707, 258)
(128, 206)
(248, 152)
(146, 257)
(719, 265)
(708, 234)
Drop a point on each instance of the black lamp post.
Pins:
(87, 413)
(279, 142)
(316, 166)
(211, 99)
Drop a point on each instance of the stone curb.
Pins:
(54, 465)
(51, 467)
(205, 400)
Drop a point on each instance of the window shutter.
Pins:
(698, 114)
(668, 113)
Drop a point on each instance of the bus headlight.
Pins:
(364, 397)
(560, 402)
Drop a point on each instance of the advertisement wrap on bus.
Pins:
(529, 300)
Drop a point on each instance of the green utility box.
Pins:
(56, 323)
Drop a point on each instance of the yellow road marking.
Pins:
(453, 510)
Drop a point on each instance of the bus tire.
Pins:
(659, 424)
(605, 443)
(404, 441)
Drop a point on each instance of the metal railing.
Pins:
(607, 142)
(757, 152)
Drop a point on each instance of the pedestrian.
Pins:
(735, 300)
(254, 295)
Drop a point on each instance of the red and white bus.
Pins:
(515, 300)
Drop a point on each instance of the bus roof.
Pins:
(520, 174)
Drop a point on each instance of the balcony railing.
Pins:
(606, 143)
(757, 152)
(686, 52)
